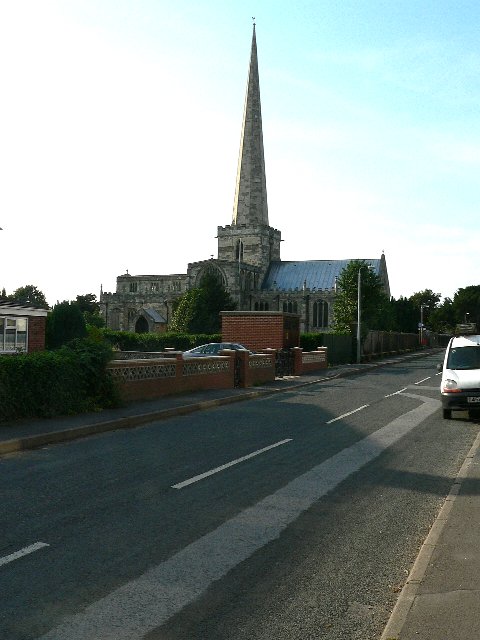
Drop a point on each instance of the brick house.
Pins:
(22, 327)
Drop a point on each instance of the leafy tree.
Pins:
(376, 313)
(442, 319)
(467, 301)
(64, 324)
(427, 299)
(30, 294)
(91, 311)
(198, 309)
(405, 315)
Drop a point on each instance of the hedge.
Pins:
(126, 341)
(67, 381)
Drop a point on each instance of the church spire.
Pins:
(250, 205)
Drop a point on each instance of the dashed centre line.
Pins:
(396, 393)
(424, 380)
(23, 552)
(349, 413)
(201, 476)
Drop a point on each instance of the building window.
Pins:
(320, 314)
(261, 306)
(133, 287)
(13, 334)
(290, 307)
(239, 251)
(154, 286)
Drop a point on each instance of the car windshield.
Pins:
(464, 358)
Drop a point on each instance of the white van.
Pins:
(460, 385)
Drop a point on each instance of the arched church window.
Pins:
(239, 251)
(211, 270)
(320, 314)
(115, 319)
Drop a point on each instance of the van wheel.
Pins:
(447, 414)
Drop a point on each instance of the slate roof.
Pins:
(154, 315)
(318, 274)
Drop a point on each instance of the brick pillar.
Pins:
(297, 361)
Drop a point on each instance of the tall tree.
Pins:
(442, 319)
(374, 303)
(405, 315)
(91, 310)
(30, 294)
(198, 309)
(64, 324)
(467, 301)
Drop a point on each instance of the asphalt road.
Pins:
(291, 516)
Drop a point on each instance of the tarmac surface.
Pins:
(441, 597)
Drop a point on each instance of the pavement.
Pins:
(441, 597)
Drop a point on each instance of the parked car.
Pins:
(460, 385)
(213, 349)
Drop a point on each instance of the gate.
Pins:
(284, 362)
(237, 371)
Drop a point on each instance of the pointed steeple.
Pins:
(250, 205)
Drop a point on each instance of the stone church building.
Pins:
(248, 261)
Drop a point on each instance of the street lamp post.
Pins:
(422, 307)
(359, 305)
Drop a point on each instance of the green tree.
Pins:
(467, 301)
(442, 318)
(91, 311)
(64, 324)
(405, 315)
(30, 294)
(198, 309)
(376, 313)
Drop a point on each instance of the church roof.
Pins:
(311, 274)
(250, 205)
(154, 315)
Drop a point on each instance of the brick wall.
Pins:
(153, 378)
(314, 360)
(259, 330)
(36, 333)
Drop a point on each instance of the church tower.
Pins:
(249, 240)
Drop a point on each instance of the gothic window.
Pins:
(133, 287)
(261, 306)
(320, 314)
(131, 315)
(154, 286)
(115, 319)
(239, 251)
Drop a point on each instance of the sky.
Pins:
(120, 125)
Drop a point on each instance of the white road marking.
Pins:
(23, 552)
(201, 476)
(424, 379)
(395, 393)
(344, 415)
(144, 604)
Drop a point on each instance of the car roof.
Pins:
(466, 341)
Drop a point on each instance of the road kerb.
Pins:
(409, 592)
